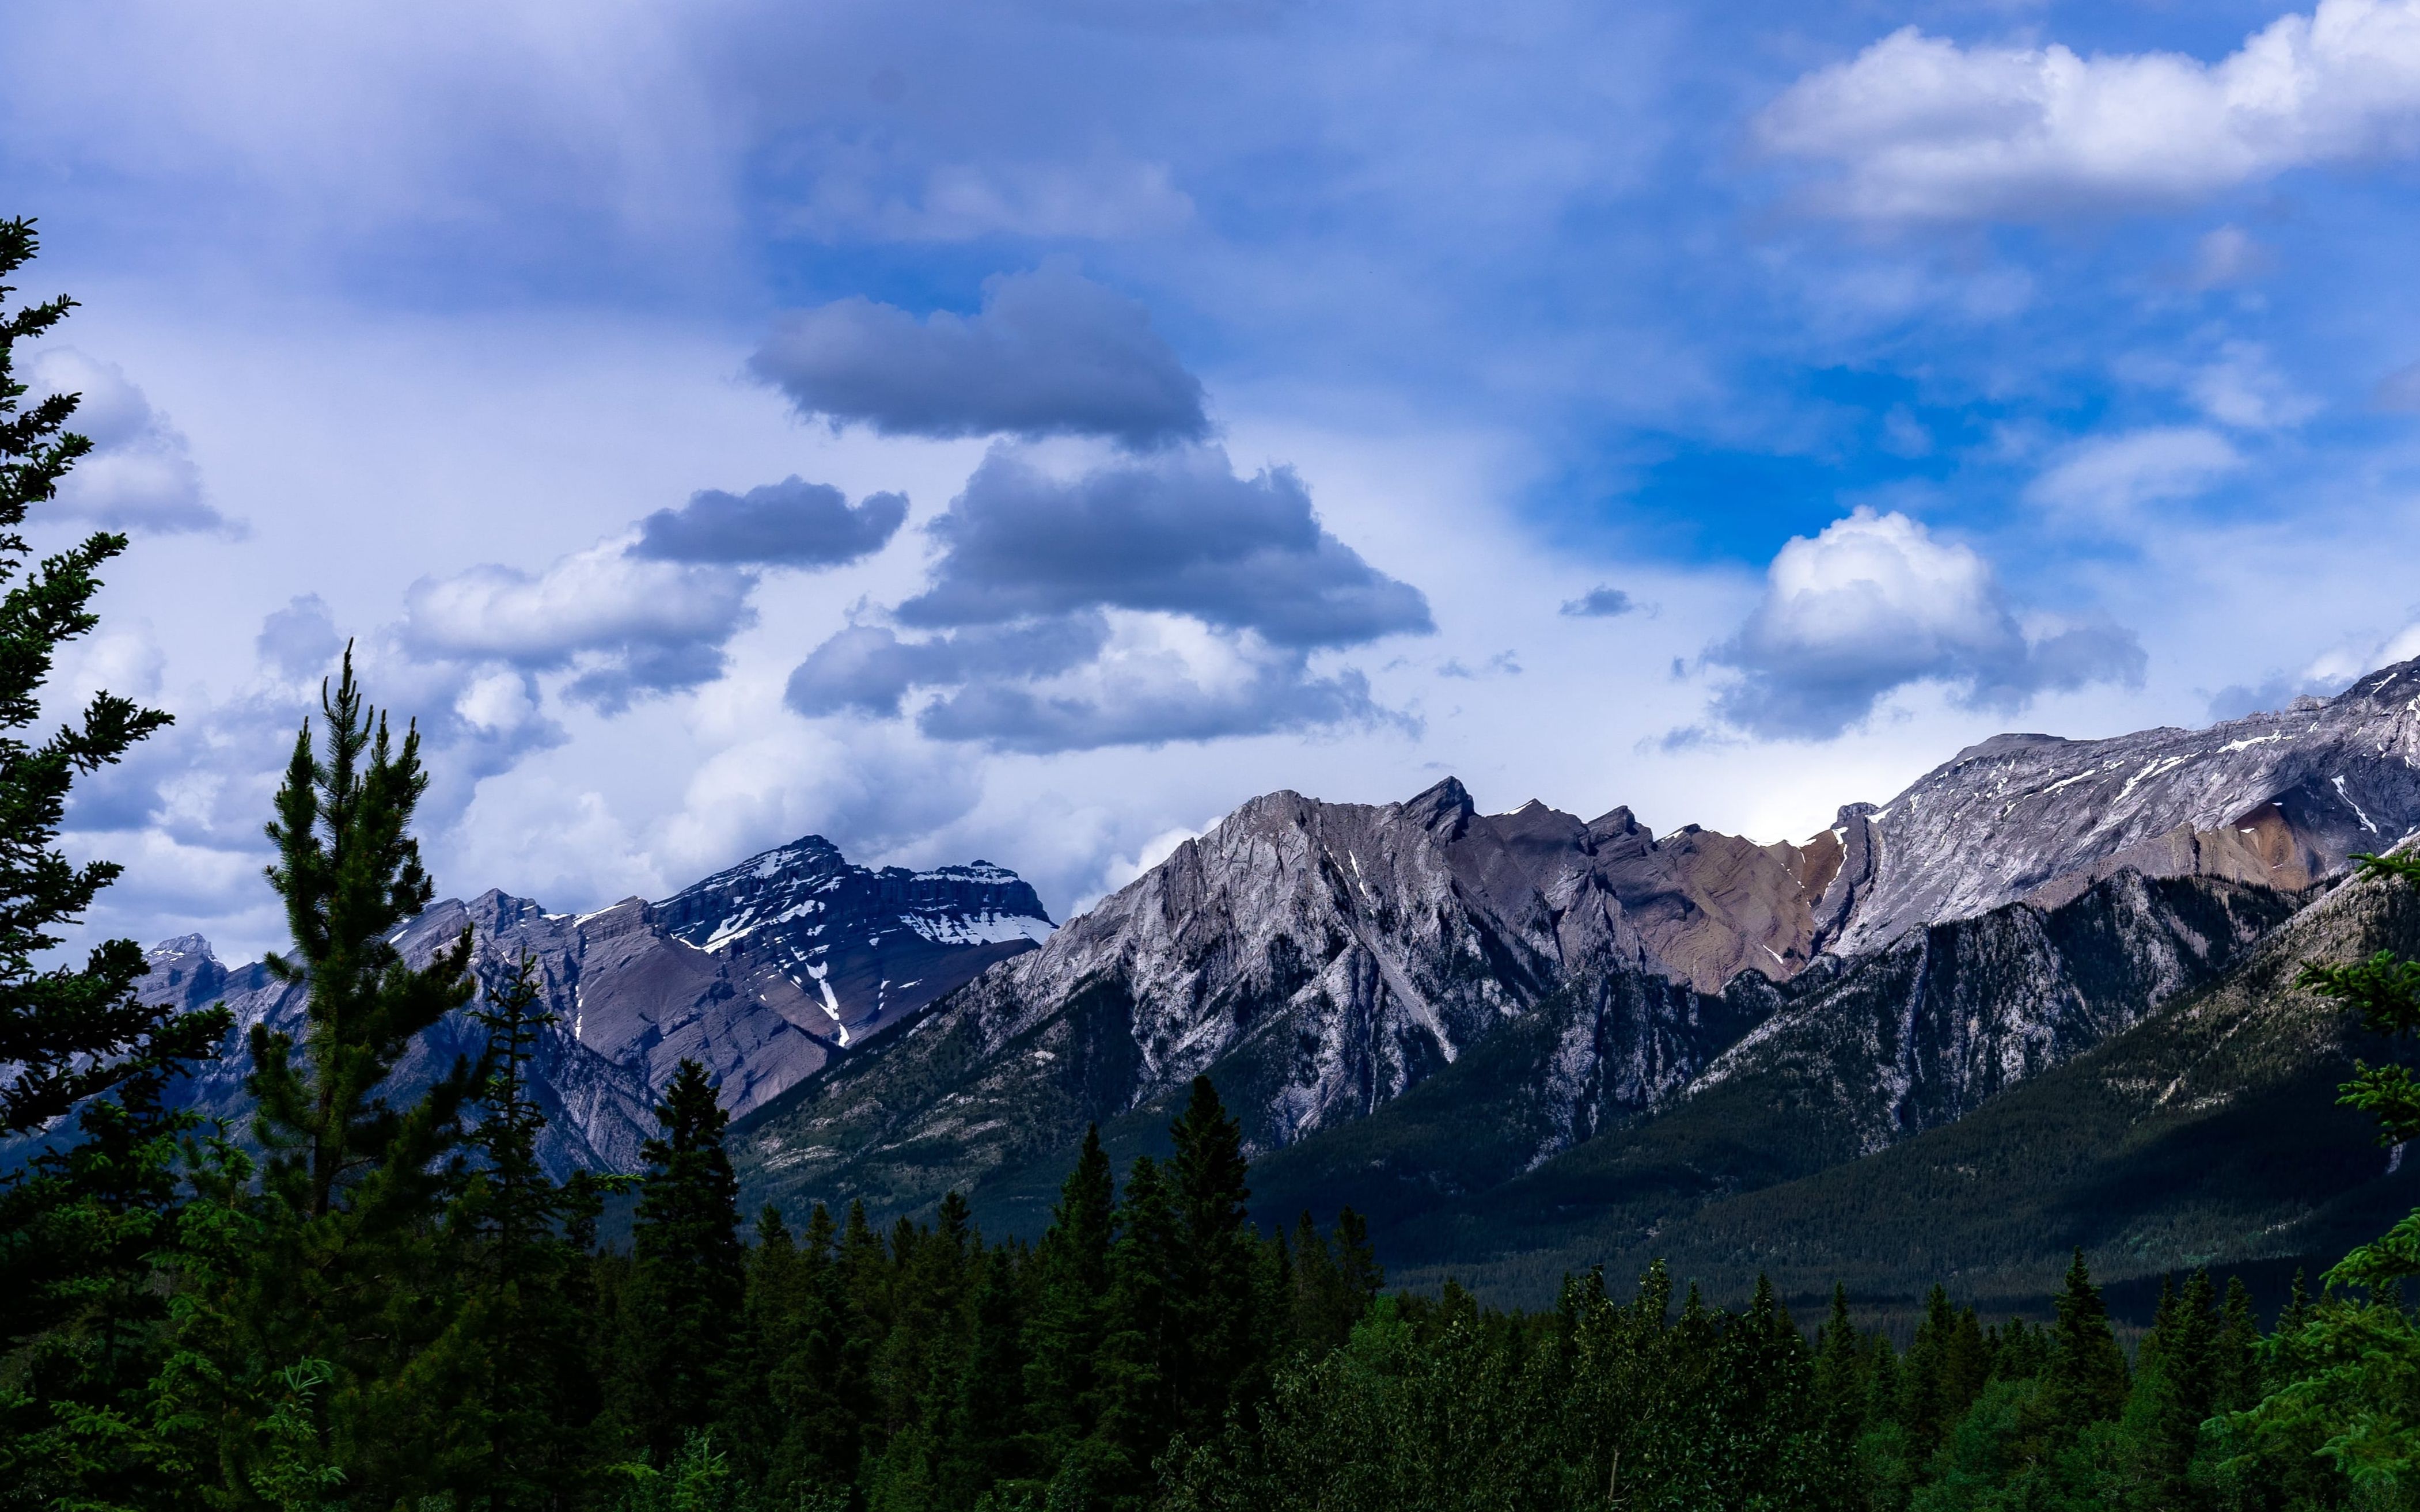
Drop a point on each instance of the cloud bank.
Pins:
(1165, 599)
(1918, 127)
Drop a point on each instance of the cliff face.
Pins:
(2275, 798)
(1328, 959)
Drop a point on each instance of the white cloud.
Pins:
(1875, 602)
(2103, 481)
(2227, 255)
(1919, 127)
(2244, 389)
(624, 624)
(140, 474)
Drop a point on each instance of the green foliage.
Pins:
(67, 1033)
(81, 1325)
(688, 1277)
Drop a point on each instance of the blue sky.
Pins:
(1027, 430)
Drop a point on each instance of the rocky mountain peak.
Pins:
(2281, 798)
(761, 972)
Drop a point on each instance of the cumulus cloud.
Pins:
(1161, 599)
(1918, 128)
(2107, 478)
(623, 625)
(1598, 603)
(301, 641)
(1180, 534)
(1160, 678)
(1051, 353)
(1874, 603)
(792, 523)
(139, 474)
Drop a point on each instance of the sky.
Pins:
(1025, 429)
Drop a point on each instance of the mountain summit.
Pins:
(2011, 910)
(761, 972)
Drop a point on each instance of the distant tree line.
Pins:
(379, 1306)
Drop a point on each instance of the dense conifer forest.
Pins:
(356, 1305)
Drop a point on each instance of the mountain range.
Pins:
(2040, 997)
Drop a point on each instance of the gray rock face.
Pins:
(2278, 799)
(1922, 1032)
(762, 973)
(1331, 956)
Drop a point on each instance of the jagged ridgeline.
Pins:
(762, 973)
(1526, 1042)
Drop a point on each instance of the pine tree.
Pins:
(353, 1276)
(65, 1033)
(348, 871)
(1139, 1410)
(80, 1319)
(518, 1397)
(1071, 1305)
(1215, 1363)
(688, 1276)
(2235, 1354)
(2087, 1381)
(1839, 1374)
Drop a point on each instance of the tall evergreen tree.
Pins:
(66, 1032)
(351, 1277)
(512, 1369)
(688, 1277)
(1840, 1373)
(1215, 1364)
(2088, 1382)
(1071, 1302)
(348, 871)
(1138, 1358)
(79, 1316)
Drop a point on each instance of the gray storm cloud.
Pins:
(792, 523)
(1051, 353)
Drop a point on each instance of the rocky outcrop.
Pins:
(1926, 1030)
(2277, 798)
(1328, 957)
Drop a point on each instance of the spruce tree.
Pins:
(2087, 1381)
(1138, 1358)
(1071, 1305)
(80, 1319)
(66, 1032)
(514, 1362)
(688, 1275)
(331, 1309)
(1839, 1374)
(1215, 1364)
